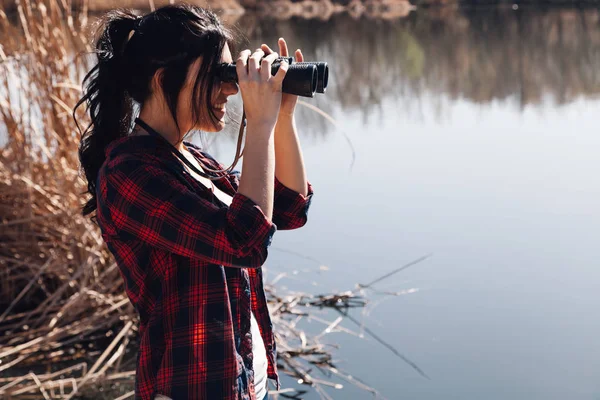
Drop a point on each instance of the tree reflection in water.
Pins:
(526, 57)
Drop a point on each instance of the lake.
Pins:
(471, 135)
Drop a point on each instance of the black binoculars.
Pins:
(302, 78)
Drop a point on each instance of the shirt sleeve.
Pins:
(290, 208)
(146, 203)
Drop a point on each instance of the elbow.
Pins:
(255, 252)
(259, 258)
(254, 257)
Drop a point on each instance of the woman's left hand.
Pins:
(288, 101)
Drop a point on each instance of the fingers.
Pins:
(265, 66)
(254, 63)
(280, 75)
(283, 48)
(266, 49)
(241, 65)
(257, 66)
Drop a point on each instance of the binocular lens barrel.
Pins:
(322, 73)
(302, 78)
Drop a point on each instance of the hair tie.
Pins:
(136, 26)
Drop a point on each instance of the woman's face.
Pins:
(221, 92)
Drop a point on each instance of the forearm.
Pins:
(289, 163)
(258, 168)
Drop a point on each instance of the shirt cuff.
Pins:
(290, 208)
(297, 202)
(293, 197)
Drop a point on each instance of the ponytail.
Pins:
(107, 98)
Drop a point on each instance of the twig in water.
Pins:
(402, 268)
(297, 254)
(412, 364)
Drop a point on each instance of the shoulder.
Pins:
(129, 164)
(135, 170)
(128, 171)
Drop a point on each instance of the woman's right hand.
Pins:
(261, 94)
(261, 91)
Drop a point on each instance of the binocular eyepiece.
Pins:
(302, 78)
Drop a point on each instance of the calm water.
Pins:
(472, 136)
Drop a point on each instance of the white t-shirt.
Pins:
(259, 361)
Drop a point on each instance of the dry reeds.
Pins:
(61, 301)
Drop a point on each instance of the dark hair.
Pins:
(171, 39)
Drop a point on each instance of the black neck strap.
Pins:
(177, 153)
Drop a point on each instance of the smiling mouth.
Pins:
(219, 106)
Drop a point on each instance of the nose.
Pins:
(229, 88)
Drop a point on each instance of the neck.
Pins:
(162, 122)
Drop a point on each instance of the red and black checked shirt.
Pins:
(179, 250)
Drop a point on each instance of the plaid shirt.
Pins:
(173, 242)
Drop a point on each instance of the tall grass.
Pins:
(40, 187)
(60, 291)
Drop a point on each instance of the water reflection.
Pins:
(526, 57)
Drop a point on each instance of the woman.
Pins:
(190, 239)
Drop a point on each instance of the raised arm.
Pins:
(261, 94)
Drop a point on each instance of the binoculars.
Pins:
(302, 78)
